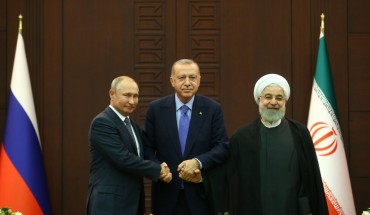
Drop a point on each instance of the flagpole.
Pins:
(322, 27)
(20, 23)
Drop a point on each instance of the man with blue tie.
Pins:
(186, 131)
(116, 151)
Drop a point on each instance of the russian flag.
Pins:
(23, 185)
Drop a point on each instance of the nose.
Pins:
(273, 101)
(131, 100)
(187, 81)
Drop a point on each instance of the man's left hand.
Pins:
(189, 170)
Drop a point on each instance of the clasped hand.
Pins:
(165, 174)
(189, 170)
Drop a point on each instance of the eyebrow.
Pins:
(270, 94)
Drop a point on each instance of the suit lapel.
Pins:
(168, 114)
(138, 137)
(122, 128)
(129, 137)
(198, 115)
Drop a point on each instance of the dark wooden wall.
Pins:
(75, 49)
(358, 39)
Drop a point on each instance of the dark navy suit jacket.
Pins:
(116, 174)
(207, 141)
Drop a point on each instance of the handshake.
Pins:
(189, 170)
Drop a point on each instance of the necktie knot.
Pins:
(184, 109)
(127, 121)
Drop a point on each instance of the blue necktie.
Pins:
(183, 127)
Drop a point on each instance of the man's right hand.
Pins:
(165, 174)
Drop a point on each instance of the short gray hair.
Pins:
(183, 62)
(116, 82)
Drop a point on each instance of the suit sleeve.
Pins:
(219, 151)
(149, 137)
(108, 140)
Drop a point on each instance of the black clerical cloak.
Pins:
(235, 186)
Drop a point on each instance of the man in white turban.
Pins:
(271, 93)
(273, 168)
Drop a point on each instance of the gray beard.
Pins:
(272, 116)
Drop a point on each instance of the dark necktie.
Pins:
(128, 126)
(183, 127)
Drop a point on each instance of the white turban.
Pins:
(268, 79)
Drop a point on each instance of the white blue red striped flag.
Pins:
(23, 184)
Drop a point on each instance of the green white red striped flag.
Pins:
(324, 126)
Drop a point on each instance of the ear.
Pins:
(111, 93)
(172, 80)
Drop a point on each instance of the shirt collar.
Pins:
(122, 117)
(179, 103)
(271, 125)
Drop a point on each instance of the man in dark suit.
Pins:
(117, 164)
(206, 143)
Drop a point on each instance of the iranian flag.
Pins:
(323, 124)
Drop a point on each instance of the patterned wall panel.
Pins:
(204, 44)
(149, 51)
